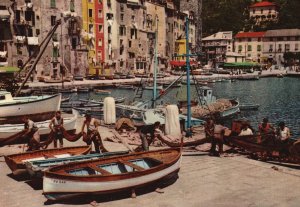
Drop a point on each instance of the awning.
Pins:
(4, 14)
(33, 40)
(20, 39)
(9, 69)
(241, 64)
(134, 2)
(3, 54)
(180, 63)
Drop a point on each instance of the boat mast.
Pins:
(188, 85)
(155, 64)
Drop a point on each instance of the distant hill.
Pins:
(233, 15)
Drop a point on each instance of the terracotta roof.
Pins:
(250, 34)
(263, 4)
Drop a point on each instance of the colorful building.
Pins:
(99, 31)
(88, 33)
(264, 11)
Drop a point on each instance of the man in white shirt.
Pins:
(246, 131)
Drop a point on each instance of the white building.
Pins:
(250, 44)
(264, 11)
(217, 45)
(278, 42)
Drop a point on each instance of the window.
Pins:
(37, 32)
(240, 48)
(122, 7)
(271, 48)
(109, 16)
(296, 47)
(259, 39)
(53, 3)
(279, 47)
(133, 33)
(129, 44)
(122, 30)
(287, 47)
(253, 11)
(100, 28)
(53, 20)
(99, 54)
(132, 17)
(258, 48)
(109, 29)
(100, 14)
(99, 42)
(249, 48)
(122, 17)
(90, 12)
(91, 28)
(109, 3)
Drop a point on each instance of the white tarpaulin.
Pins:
(172, 125)
(109, 110)
(56, 44)
(33, 40)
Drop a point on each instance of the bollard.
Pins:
(109, 110)
(172, 125)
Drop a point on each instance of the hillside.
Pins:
(233, 15)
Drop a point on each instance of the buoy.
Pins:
(109, 110)
(172, 125)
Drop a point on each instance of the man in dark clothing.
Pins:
(148, 129)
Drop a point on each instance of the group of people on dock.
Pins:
(215, 131)
(91, 136)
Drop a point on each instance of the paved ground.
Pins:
(203, 181)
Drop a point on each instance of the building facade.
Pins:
(217, 45)
(250, 44)
(279, 42)
(264, 11)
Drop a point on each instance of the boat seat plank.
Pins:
(48, 155)
(136, 167)
(102, 171)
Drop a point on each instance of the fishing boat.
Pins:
(249, 106)
(67, 99)
(83, 89)
(110, 174)
(234, 109)
(36, 168)
(13, 109)
(79, 104)
(8, 130)
(16, 162)
(102, 92)
(248, 77)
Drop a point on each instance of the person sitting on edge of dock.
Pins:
(149, 129)
(246, 130)
(218, 138)
(92, 135)
(31, 131)
(56, 126)
(283, 132)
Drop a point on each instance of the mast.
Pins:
(155, 64)
(188, 85)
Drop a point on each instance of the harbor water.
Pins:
(279, 99)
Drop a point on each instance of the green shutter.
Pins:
(72, 6)
(249, 48)
(258, 48)
(52, 3)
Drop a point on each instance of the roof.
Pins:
(263, 4)
(219, 36)
(9, 69)
(250, 34)
(283, 33)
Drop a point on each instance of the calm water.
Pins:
(279, 99)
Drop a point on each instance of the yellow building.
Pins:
(180, 48)
(88, 16)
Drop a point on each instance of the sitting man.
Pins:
(246, 131)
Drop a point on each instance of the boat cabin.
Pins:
(5, 97)
(207, 95)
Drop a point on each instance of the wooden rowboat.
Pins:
(16, 162)
(36, 168)
(110, 174)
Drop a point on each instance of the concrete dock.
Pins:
(203, 181)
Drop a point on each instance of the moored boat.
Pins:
(102, 92)
(36, 168)
(9, 130)
(13, 109)
(16, 162)
(110, 174)
(249, 106)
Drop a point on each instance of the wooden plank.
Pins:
(100, 170)
(136, 167)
